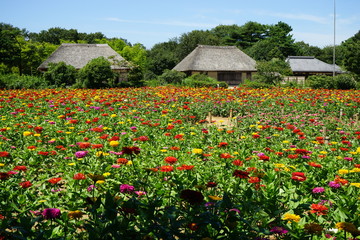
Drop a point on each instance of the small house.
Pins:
(307, 65)
(78, 55)
(224, 63)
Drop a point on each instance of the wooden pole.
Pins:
(210, 117)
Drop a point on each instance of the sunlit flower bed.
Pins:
(146, 164)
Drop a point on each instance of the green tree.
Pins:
(60, 74)
(189, 41)
(136, 54)
(305, 49)
(352, 54)
(96, 74)
(279, 35)
(327, 54)
(162, 56)
(272, 72)
(10, 48)
(264, 50)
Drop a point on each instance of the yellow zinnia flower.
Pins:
(197, 151)
(291, 217)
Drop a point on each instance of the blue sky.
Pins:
(153, 21)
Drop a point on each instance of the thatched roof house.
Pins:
(224, 63)
(78, 55)
(307, 65)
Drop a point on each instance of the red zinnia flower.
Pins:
(223, 144)
(293, 156)
(130, 150)
(166, 168)
(319, 209)
(298, 176)
(313, 164)
(225, 155)
(171, 160)
(241, 174)
(84, 145)
(264, 158)
(254, 180)
(20, 168)
(95, 146)
(238, 162)
(54, 180)
(38, 129)
(122, 160)
(4, 154)
(144, 138)
(26, 184)
(79, 176)
(185, 167)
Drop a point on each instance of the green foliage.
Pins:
(345, 81)
(153, 83)
(172, 77)
(202, 80)
(162, 56)
(15, 81)
(56, 35)
(320, 81)
(134, 77)
(189, 41)
(352, 53)
(342, 81)
(135, 54)
(96, 74)
(305, 49)
(60, 74)
(272, 72)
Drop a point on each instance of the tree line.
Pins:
(22, 51)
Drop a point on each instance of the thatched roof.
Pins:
(216, 58)
(78, 55)
(310, 64)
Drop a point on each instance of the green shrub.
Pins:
(60, 74)
(320, 81)
(134, 78)
(202, 80)
(153, 83)
(256, 84)
(96, 74)
(172, 77)
(15, 81)
(345, 81)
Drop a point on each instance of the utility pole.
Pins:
(334, 51)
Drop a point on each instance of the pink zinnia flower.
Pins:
(51, 213)
(125, 188)
(318, 190)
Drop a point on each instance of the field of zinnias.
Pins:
(146, 164)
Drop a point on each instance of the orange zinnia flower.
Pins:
(318, 209)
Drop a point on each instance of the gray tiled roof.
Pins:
(78, 55)
(216, 58)
(310, 64)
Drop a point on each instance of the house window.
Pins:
(231, 78)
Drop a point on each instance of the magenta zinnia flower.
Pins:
(81, 154)
(51, 213)
(125, 188)
(279, 230)
(333, 184)
(318, 190)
